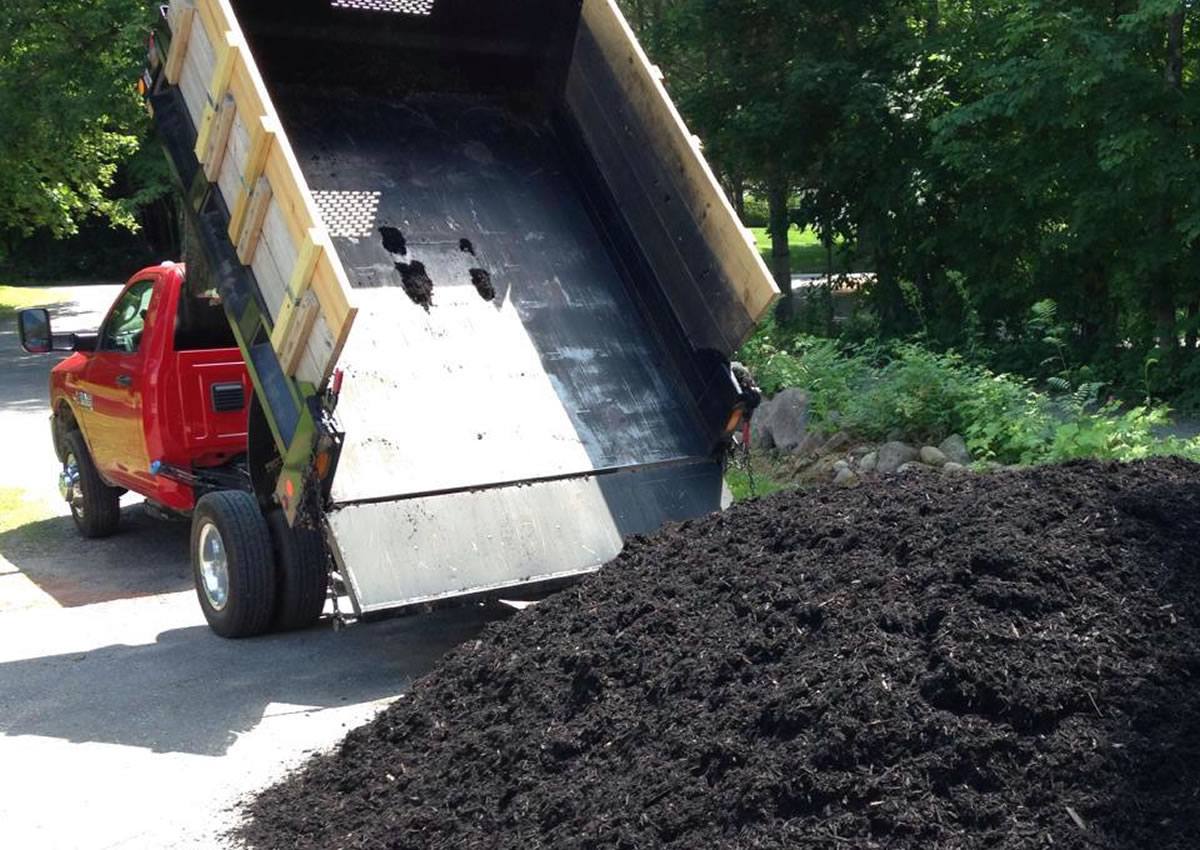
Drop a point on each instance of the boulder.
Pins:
(911, 466)
(837, 443)
(933, 457)
(952, 468)
(760, 427)
(840, 465)
(845, 478)
(955, 449)
(810, 445)
(893, 455)
(789, 419)
(869, 462)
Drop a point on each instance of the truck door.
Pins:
(114, 382)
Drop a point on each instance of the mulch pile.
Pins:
(1000, 661)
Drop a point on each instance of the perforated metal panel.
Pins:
(406, 7)
(350, 215)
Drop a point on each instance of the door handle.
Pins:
(124, 380)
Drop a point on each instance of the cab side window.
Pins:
(123, 330)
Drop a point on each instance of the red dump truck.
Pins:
(480, 293)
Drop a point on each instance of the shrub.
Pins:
(927, 395)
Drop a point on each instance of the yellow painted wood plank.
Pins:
(256, 214)
(300, 325)
(307, 258)
(218, 140)
(184, 18)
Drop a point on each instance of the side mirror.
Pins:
(33, 327)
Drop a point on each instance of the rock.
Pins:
(846, 478)
(952, 468)
(869, 462)
(840, 465)
(933, 457)
(955, 449)
(810, 445)
(760, 427)
(789, 419)
(836, 443)
(893, 455)
(859, 452)
(911, 466)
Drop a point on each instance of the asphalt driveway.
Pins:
(124, 722)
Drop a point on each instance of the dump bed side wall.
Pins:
(715, 281)
(274, 221)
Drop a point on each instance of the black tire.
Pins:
(228, 528)
(95, 507)
(301, 576)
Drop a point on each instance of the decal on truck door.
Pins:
(84, 399)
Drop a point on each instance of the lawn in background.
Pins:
(808, 254)
(14, 298)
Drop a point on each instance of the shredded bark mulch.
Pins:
(1000, 661)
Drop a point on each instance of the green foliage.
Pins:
(743, 485)
(987, 160)
(71, 113)
(927, 395)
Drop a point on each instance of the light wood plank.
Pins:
(228, 56)
(259, 146)
(183, 17)
(197, 71)
(272, 279)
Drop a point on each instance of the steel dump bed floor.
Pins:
(529, 358)
(514, 423)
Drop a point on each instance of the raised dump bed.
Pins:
(489, 219)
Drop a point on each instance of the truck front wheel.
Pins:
(95, 507)
(232, 564)
(301, 576)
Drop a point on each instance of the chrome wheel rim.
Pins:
(68, 485)
(214, 566)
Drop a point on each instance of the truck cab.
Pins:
(161, 385)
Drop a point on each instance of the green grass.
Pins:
(808, 254)
(14, 298)
(18, 510)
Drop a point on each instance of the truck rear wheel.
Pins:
(232, 564)
(95, 507)
(301, 577)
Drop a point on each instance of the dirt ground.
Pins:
(1003, 661)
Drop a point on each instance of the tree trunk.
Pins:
(1175, 50)
(1193, 334)
(739, 195)
(778, 191)
(1163, 297)
(932, 19)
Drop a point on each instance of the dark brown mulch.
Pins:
(1004, 661)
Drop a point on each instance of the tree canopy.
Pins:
(71, 114)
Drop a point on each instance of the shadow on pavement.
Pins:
(193, 692)
(145, 558)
